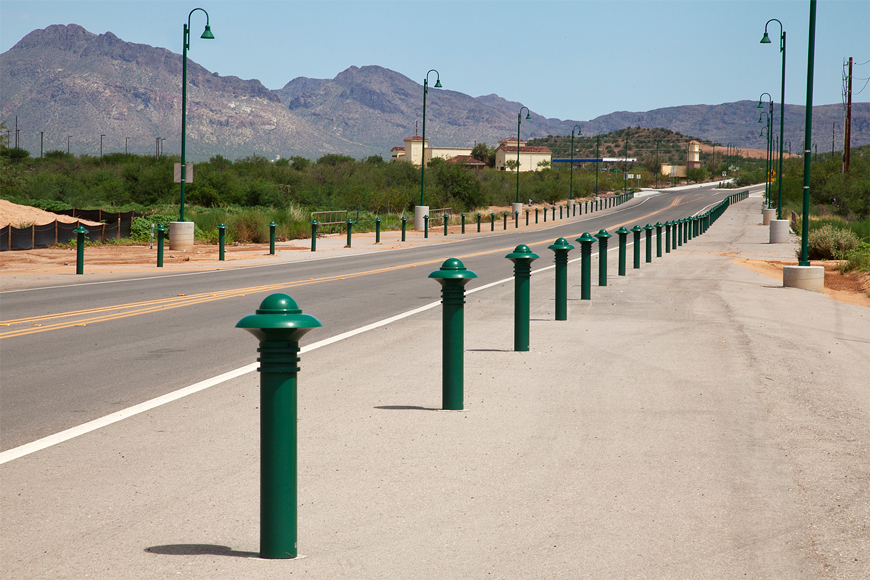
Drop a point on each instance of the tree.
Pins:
(480, 152)
(544, 164)
(511, 164)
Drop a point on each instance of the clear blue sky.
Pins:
(565, 59)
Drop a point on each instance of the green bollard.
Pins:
(587, 209)
(221, 242)
(649, 229)
(522, 257)
(658, 227)
(679, 231)
(426, 226)
(586, 265)
(463, 222)
(80, 248)
(349, 230)
(623, 234)
(404, 226)
(272, 226)
(492, 221)
(314, 225)
(689, 228)
(637, 230)
(695, 228)
(684, 232)
(478, 223)
(560, 213)
(545, 215)
(561, 247)
(527, 217)
(161, 233)
(554, 213)
(377, 230)
(516, 220)
(446, 221)
(667, 237)
(672, 234)
(603, 238)
(536, 214)
(504, 215)
(278, 325)
(453, 276)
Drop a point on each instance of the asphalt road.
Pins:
(146, 337)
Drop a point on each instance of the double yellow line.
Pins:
(35, 324)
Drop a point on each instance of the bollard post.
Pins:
(278, 325)
(80, 248)
(453, 276)
(463, 222)
(349, 230)
(679, 231)
(446, 221)
(685, 236)
(478, 223)
(314, 225)
(522, 257)
(404, 226)
(426, 226)
(561, 247)
(667, 237)
(377, 230)
(504, 215)
(623, 234)
(161, 235)
(649, 229)
(637, 230)
(272, 226)
(689, 221)
(516, 220)
(527, 217)
(545, 215)
(492, 221)
(603, 238)
(560, 213)
(554, 213)
(585, 265)
(221, 242)
(658, 228)
(536, 215)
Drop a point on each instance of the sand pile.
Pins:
(22, 216)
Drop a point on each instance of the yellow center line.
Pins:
(108, 313)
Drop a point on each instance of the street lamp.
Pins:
(186, 44)
(767, 155)
(519, 120)
(766, 40)
(579, 132)
(769, 132)
(808, 129)
(597, 159)
(418, 219)
(101, 148)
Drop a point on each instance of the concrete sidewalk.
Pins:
(693, 420)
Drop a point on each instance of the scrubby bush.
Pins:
(830, 243)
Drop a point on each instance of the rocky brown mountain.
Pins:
(64, 80)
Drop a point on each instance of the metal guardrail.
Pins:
(330, 221)
(436, 216)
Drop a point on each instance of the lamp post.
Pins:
(625, 167)
(767, 126)
(766, 40)
(519, 121)
(125, 146)
(67, 143)
(597, 158)
(101, 148)
(208, 36)
(41, 136)
(808, 127)
(579, 132)
(658, 167)
(424, 210)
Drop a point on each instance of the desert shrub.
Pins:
(830, 243)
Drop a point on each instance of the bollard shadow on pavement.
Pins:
(406, 408)
(199, 550)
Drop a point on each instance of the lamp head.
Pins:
(760, 105)
(438, 83)
(528, 116)
(765, 39)
(207, 34)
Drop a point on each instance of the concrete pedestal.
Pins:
(767, 215)
(778, 231)
(419, 212)
(804, 277)
(181, 236)
(516, 208)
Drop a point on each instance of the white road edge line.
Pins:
(84, 428)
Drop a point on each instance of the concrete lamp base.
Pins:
(779, 231)
(804, 277)
(516, 208)
(181, 236)
(420, 211)
(767, 215)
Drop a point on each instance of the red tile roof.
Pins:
(466, 160)
(527, 149)
(414, 138)
(397, 149)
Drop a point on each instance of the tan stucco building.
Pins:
(529, 157)
(413, 151)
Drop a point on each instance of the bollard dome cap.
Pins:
(221, 226)
(158, 227)
(81, 230)
(622, 231)
(585, 238)
(659, 224)
(560, 244)
(603, 235)
(452, 272)
(272, 224)
(522, 252)
(637, 229)
(648, 227)
(278, 318)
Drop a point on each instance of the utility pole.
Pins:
(848, 129)
(41, 135)
(833, 137)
